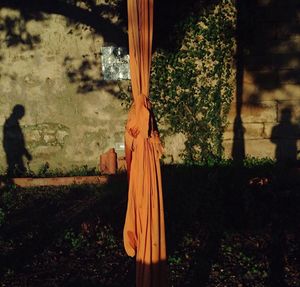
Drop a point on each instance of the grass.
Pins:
(221, 231)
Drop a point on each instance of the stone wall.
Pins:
(268, 80)
(51, 67)
(50, 64)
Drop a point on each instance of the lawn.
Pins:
(223, 229)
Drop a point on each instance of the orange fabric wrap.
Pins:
(144, 230)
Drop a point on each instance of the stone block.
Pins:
(264, 79)
(282, 93)
(261, 112)
(289, 76)
(258, 62)
(283, 47)
(248, 131)
(289, 111)
(258, 148)
(281, 131)
(268, 127)
(286, 61)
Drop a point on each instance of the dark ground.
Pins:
(223, 229)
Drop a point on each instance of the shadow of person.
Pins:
(14, 143)
(284, 136)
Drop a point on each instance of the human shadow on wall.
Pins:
(266, 51)
(284, 135)
(14, 143)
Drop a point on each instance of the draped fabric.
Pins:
(144, 230)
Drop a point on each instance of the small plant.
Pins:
(42, 171)
(106, 238)
(251, 162)
(7, 199)
(77, 241)
(46, 171)
(82, 171)
(2, 216)
(9, 273)
(174, 260)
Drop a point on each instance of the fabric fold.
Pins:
(144, 229)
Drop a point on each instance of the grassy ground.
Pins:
(221, 231)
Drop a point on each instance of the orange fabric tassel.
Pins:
(144, 230)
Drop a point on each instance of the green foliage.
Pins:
(248, 162)
(248, 263)
(174, 260)
(192, 86)
(46, 171)
(106, 241)
(7, 199)
(251, 162)
(2, 216)
(76, 241)
(211, 223)
(82, 171)
(124, 94)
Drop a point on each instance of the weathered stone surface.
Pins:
(71, 114)
(285, 46)
(289, 76)
(258, 148)
(268, 127)
(49, 139)
(266, 148)
(258, 112)
(289, 107)
(173, 147)
(32, 136)
(278, 91)
(287, 60)
(61, 136)
(249, 131)
(264, 131)
(45, 151)
(285, 92)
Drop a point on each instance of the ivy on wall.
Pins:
(192, 85)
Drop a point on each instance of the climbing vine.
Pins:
(192, 85)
